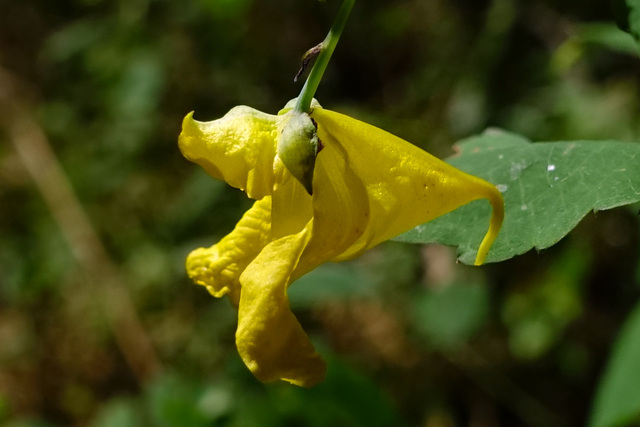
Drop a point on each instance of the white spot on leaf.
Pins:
(517, 168)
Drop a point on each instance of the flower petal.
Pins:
(238, 148)
(340, 208)
(269, 338)
(292, 206)
(406, 185)
(220, 266)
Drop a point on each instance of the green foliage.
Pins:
(362, 278)
(174, 402)
(547, 188)
(329, 282)
(537, 316)
(346, 398)
(449, 316)
(118, 413)
(617, 402)
(627, 14)
(589, 36)
(28, 423)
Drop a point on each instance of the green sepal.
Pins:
(298, 148)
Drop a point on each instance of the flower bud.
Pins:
(298, 145)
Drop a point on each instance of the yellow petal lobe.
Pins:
(406, 185)
(219, 267)
(269, 338)
(238, 148)
(341, 210)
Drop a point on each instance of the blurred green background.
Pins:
(99, 325)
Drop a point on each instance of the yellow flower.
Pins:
(368, 186)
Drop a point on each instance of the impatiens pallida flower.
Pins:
(368, 186)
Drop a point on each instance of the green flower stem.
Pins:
(303, 105)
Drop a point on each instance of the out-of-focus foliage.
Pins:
(617, 401)
(627, 13)
(413, 338)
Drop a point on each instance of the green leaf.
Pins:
(617, 399)
(627, 14)
(548, 187)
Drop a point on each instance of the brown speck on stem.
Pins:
(308, 57)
